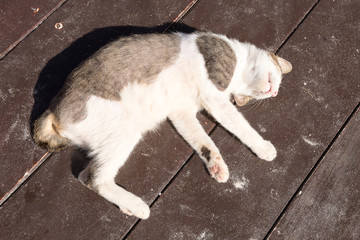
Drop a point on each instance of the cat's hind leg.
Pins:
(100, 175)
(189, 128)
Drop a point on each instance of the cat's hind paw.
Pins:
(218, 169)
(136, 207)
(265, 151)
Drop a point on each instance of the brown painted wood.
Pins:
(247, 21)
(18, 18)
(327, 207)
(309, 110)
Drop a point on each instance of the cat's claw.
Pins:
(218, 169)
(138, 208)
(265, 151)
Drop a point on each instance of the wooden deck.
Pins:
(310, 191)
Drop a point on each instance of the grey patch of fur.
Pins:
(87, 176)
(220, 60)
(70, 105)
(137, 58)
(205, 152)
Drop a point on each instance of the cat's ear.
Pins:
(285, 65)
(241, 100)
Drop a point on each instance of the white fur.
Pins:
(113, 128)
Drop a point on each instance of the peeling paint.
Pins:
(262, 128)
(11, 129)
(310, 142)
(241, 184)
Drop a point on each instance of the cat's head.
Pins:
(262, 76)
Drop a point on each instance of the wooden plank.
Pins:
(20, 17)
(263, 24)
(328, 206)
(34, 211)
(301, 122)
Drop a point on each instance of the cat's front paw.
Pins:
(136, 207)
(218, 169)
(265, 150)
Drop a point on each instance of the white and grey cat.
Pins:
(132, 84)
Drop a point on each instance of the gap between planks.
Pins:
(27, 174)
(311, 172)
(297, 26)
(27, 33)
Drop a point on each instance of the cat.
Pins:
(134, 83)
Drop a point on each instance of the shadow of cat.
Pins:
(53, 75)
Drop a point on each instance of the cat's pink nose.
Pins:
(274, 94)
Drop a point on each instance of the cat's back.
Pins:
(140, 56)
(132, 59)
(157, 68)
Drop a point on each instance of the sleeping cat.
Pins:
(132, 84)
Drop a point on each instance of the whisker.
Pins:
(283, 86)
(257, 104)
(265, 103)
(262, 103)
(253, 105)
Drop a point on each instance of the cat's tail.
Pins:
(46, 132)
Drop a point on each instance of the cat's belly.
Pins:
(141, 108)
(106, 118)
